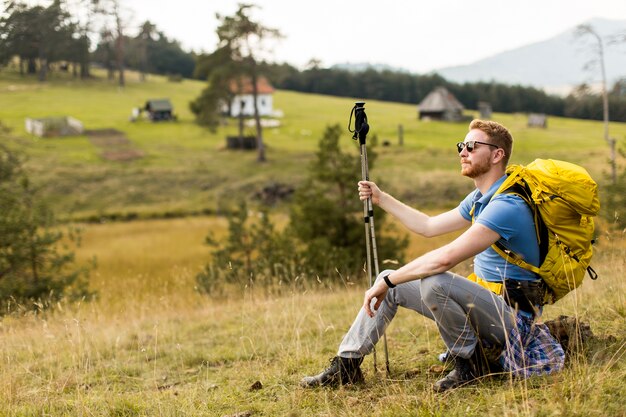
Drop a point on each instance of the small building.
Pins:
(440, 104)
(242, 101)
(159, 109)
(485, 110)
(537, 120)
(54, 126)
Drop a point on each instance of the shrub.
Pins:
(34, 272)
(254, 253)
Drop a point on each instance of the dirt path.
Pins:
(114, 145)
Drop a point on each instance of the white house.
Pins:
(243, 99)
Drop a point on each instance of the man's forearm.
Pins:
(431, 263)
(412, 219)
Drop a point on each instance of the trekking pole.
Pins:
(361, 128)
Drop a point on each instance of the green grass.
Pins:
(186, 168)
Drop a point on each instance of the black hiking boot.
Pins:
(341, 371)
(462, 373)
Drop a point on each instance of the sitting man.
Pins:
(470, 313)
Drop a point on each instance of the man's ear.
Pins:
(497, 156)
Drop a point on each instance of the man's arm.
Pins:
(413, 219)
(475, 240)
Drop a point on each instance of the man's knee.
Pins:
(435, 287)
(439, 283)
(383, 273)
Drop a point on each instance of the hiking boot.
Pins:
(462, 373)
(341, 371)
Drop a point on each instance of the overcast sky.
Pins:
(417, 35)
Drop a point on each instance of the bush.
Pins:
(33, 271)
(253, 254)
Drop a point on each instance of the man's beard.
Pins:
(476, 168)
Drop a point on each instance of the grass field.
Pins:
(185, 168)
(151, 345)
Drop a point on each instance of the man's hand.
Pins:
(379, 292)
(369, 189)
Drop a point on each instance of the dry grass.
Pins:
(151, 346)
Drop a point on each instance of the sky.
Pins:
(419, 36)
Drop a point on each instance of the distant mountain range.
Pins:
(363, 66)
(555, 65)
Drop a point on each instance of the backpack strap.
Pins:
(514, 184)
(513, 257)
(542, 239)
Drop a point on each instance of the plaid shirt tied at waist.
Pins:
(531, 349)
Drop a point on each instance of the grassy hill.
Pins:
(186, 169)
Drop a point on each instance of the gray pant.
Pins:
(463, 311)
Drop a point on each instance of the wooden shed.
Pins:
(159, 109)
(440, 104)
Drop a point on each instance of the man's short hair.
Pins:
(498, 134)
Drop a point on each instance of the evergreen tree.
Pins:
(235, 58)
(37, 35)
(254, 253)
(327, 215)
(34, 272)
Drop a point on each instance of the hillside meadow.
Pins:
(151, 345)
(186, 169)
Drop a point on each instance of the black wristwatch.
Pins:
(389, 283)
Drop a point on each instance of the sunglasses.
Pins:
(471, 145)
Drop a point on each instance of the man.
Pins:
(470, 313)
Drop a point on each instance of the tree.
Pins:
(218, 69)
(254, 253)
(112, 10)
(33, 271)
(36, 35)
(88, 9)
(324, 214)
(165, 56)
(239, 40)
(105, 52)
(598, 59)
(144, 37)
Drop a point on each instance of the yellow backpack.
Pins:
(564, 200)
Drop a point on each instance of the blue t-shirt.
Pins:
(510, 217)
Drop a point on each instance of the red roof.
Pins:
(263, 86)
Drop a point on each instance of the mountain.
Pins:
(555, 65)
(363, 66)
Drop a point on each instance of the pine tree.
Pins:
(34, 271)
(328, 216)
